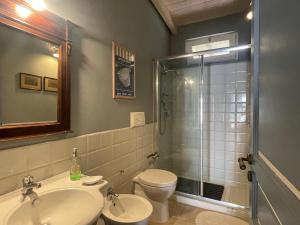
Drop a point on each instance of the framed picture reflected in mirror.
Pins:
(30, 82)
(50, 84)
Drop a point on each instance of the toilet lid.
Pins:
(158, 178)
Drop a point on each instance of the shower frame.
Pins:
(157, 113)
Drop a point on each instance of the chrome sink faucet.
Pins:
(27, 190)
(112, 196)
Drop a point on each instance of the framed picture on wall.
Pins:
(50, 84)
(30, 82)
(123, 69)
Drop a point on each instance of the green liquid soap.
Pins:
(75, 172)
(75, 176)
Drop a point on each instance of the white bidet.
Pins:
(127, 209)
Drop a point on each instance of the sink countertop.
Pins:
(59, 181)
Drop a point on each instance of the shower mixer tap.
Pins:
(154, 155)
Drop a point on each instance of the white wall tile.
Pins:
(219, 164)
(60, 167)
(60, 151)
(230, 156)
(219, 145)
(103, 153)
(229, 135)
(124, 148)
(122, 135)
(146, 140)
(231, 166)
(12, 161)
(219, 155)
(243, 127)
(106, 139)
(139, 131)
(38, 155)
(219, 126)
(10, 183)
(41, 173)
(139, 142)
(230, 146)
(242, 147)
(243, 137)
(99, 157)
(93, 142)
(77, 142)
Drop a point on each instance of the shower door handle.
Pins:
(242, 160)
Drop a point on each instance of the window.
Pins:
(212, 42)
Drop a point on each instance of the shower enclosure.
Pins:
(203, 122)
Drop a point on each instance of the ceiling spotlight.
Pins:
(22, 11)
(38, 5)
(249, 15)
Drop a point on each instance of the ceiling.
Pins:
(182, 12)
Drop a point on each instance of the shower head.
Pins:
(165, 70)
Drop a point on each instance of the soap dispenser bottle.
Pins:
(75, 172)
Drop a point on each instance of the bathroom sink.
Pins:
(73, 204)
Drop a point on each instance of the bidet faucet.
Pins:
(112, 196)
(27, 190)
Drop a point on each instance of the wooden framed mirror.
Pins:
(34, 71)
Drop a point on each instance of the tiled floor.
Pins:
(181, 214)
(237, 194)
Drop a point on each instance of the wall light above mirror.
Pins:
(38, 5)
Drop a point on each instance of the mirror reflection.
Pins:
(28, 78)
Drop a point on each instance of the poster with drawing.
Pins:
(123, 73)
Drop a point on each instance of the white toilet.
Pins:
(158, 186)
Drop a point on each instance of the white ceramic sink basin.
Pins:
(63, 202)
(57, 207)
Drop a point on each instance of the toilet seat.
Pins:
(157, 178)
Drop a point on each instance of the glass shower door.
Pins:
(203, 111)
(180, 121)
